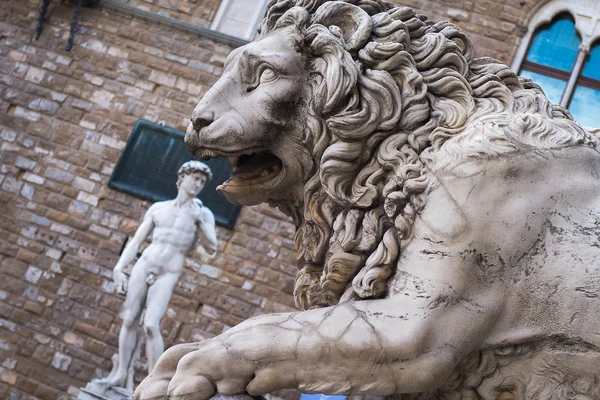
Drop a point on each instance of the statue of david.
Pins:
(175, 225)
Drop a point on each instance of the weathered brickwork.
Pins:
(197, 12)
(64, 120)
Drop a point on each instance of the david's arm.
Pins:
(131, 251)
(207, 234)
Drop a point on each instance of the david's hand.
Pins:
(120, 280)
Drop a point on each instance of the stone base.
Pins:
(96, 390)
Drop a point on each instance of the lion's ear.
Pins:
(346, 21)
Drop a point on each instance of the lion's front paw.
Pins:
(156, 384)
(196, 371)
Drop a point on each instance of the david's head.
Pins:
(192, 176)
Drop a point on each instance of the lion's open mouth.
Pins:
(256, 172)
(255, 168)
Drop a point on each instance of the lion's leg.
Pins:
(376, 347)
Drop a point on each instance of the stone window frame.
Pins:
(585, 13)
(222, 12)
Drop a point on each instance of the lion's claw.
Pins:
(152, 391)
(186, 387)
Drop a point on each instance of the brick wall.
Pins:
(198, 12)
(64, 120)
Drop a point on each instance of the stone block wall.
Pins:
(197, 12)
(64, 120)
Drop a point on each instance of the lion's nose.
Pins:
(202, 120)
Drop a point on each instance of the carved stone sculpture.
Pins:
(175, 226)
(447, 215)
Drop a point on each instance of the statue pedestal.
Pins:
(96, 390)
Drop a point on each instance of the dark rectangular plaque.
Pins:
(148, 169)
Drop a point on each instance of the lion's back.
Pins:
(528, 223)
(532, 233)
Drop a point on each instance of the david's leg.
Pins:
(159, 295)
(134, 303)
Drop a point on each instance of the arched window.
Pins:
(557, 54)
(551, 57)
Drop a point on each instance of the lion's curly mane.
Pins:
(404, 98)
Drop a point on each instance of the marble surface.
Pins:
(447, 216)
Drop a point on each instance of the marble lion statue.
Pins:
(447, 216)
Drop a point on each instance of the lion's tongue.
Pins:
(254, 166)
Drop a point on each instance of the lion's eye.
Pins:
(267, 75)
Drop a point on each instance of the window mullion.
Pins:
(568, 93)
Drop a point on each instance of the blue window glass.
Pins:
(555, 45)
(591, 69)
(552, 87)
(585, 107)
(320, 397)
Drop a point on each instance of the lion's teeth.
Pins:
(233, 160)
(264, 173)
